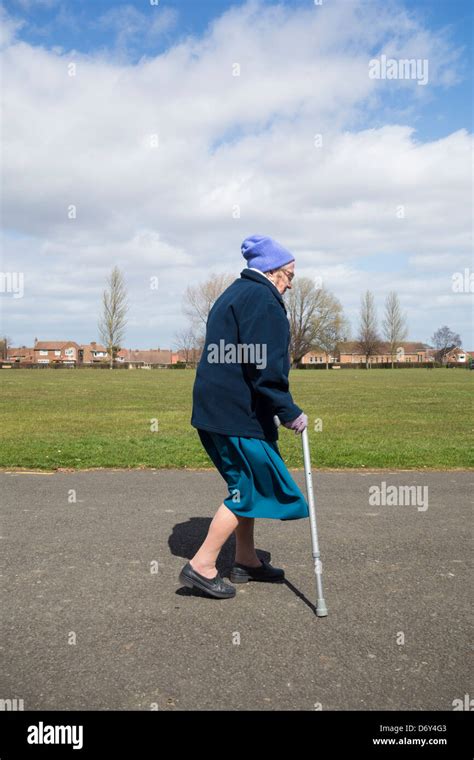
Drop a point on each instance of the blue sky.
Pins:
(75, 26)
(229, 141)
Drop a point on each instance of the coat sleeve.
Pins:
(267, 325)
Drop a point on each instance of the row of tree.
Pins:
(395, 330)
(316, 318)
(317, 321)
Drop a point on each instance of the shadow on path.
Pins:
(186, 539)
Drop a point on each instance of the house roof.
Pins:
(20, 351)
(349, 347)
(54, 345)
(93, 346)
(152, 356)
(88, 349)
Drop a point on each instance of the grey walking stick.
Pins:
(321, 609)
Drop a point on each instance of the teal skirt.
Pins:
(258, 480)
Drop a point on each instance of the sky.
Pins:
(157, 135)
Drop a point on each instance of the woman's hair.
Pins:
(275, 271)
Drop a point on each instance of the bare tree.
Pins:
(315, 317)
(394, 324)
(337, 330)
(114, 308)
(444, 341)
(301, 303)
(187, 342)
(368, 342)
(5, 344)
(199, 300)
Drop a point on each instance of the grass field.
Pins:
(411, 418)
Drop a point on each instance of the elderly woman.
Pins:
(241, 383)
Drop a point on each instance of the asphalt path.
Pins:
(94, 617)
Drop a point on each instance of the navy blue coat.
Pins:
(241, 397)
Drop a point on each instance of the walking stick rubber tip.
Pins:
(321, 609)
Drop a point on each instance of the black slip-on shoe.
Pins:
(216, 587)
(243, 573)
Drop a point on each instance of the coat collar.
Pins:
(259, 277)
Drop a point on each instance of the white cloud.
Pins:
(227, 141)
(9, 26)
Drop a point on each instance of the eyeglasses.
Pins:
(289, 274)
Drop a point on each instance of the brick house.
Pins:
(161, 357)
(93, 353)
(190, 356)
(406, 352)
(57, 352)
(71, 353)
(318, 357)
(21, 355)
(146, 358)
(458, 356)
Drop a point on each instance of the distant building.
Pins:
(153, 357)
(319, 357)
(458, 356)
(70, 353)
(405, 352)
(93, 353)
(21, 355)
(56, 352)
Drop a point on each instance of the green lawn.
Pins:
(409, 418)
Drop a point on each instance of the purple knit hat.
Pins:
(264, 253)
